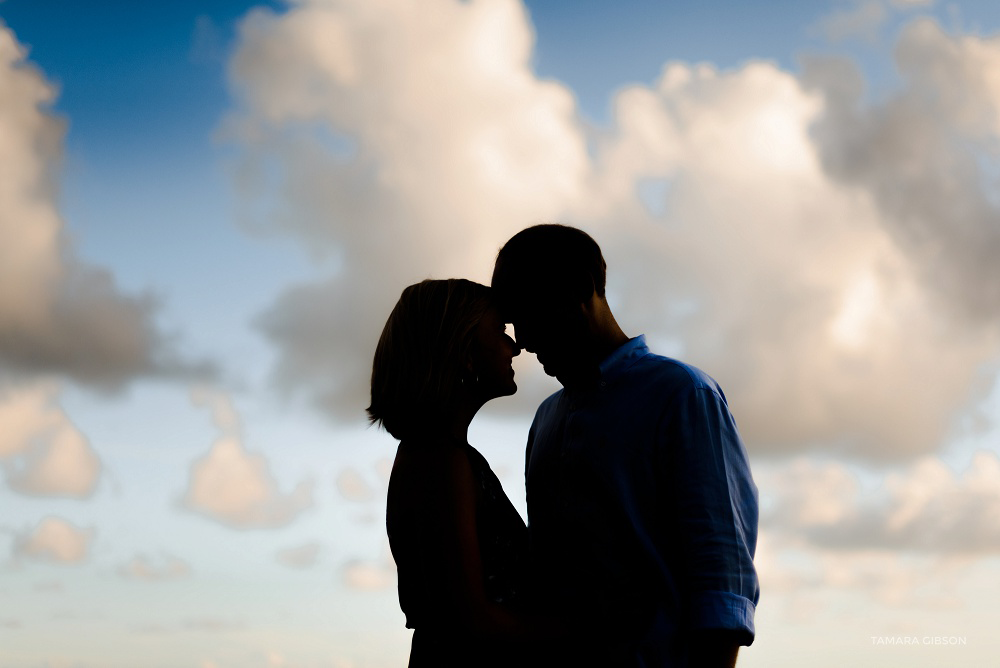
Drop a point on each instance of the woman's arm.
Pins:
(455, 560)
(454, 551)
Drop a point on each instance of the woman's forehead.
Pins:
(493, 314)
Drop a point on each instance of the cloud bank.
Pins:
(59, 315)
(816, 252)
(926, 508)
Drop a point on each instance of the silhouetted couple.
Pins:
(642, 513)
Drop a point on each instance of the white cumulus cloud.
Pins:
(801, 247)
(409, 139)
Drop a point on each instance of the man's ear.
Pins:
(581, 287)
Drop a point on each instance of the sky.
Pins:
(207, 211)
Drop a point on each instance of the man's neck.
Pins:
(588, 375)
(607, 335)
(601, 337)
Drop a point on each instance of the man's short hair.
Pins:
(550, 263)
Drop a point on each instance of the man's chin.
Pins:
(553, 370)
(570, 377)
(559, 375)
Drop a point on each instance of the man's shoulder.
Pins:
(672, 373)
(549, 404)
(548, 409)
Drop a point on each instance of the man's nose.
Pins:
(520, 338)
(514, 346)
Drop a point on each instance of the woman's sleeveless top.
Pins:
(503, 543)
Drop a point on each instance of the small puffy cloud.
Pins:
(370, 574)
(384, 468)
(166, 567)
(353, 487)
(342, 663)
(53, 586)
(41, 451)
(302, 556)
(213, 625)
(56, 541)
(224, 415)
(236, 487)
(924, 508)
(57, 314)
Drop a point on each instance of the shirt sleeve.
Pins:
(715, 501)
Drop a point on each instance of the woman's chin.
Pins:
(504, 391)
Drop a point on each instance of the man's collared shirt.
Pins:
(642, 511)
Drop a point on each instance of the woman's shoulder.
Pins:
(432, 451)
(436, 462)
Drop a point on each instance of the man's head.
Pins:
(549, 280)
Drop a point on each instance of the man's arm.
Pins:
(715, 648)
(715, 500)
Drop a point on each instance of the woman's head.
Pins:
(444, 343)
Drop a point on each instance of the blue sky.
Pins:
(757, 220)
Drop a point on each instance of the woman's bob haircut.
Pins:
(419, 361)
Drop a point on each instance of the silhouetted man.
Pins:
(642, 512)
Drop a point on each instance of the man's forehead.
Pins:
(533, 311)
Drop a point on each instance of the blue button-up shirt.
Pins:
(642, 512)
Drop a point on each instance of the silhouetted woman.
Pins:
(458, 543)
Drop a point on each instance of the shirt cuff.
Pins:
(724, 610)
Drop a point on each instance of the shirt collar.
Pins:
(622, 358)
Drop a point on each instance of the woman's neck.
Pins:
(458, 424)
